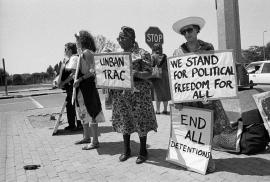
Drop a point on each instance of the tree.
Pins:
(104, 44)
(17, 79)
(2, 76)
(50, 71)
(253, 53)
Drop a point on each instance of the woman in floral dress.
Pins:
(133, 110)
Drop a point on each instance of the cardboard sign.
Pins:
(190, 138)
(210, 75)
(113, 70)
(263, 103)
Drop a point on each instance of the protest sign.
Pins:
(262, 101)
(196, 76)
(190, 138)
(113, 70)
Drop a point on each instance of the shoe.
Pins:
(157, 112)
(165, 112)
(83, 141)
(70, 128)
(123, 157)
(90, 146)
(141, 159)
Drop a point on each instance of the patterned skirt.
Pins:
(133, 111)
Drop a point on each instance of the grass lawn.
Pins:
(22, 87)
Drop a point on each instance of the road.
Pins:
(30, 103)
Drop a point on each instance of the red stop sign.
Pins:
(153, 35)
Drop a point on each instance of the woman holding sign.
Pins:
(190, 27)
(87, 99)
(133, 110)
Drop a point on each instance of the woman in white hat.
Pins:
(190, 27)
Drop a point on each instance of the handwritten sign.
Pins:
(262, 101)
(113, 70)
(208, 75)
(190, 138)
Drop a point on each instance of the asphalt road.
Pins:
(30, 103)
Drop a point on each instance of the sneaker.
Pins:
(90, 146)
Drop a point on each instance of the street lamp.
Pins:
(263, 45)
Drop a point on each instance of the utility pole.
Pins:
(229, 34)
(5, 79)
(263, 45)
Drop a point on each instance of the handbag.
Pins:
(254, 139)
(156, 72)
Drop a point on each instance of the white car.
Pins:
(259, 72)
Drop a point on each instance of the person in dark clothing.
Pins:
(67, 72)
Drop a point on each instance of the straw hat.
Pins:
(193, 20)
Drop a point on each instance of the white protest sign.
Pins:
(210, 75)
(190, 138)
(263, 103)
(113, 70)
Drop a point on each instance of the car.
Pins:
(259, 72)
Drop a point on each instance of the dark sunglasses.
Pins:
(66, 49)
(187, 30)
(122, 38)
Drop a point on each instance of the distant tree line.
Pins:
(103, 45)
(253, 53)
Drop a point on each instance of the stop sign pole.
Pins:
(153, 35)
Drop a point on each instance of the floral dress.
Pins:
(133, 111)
(220, 118)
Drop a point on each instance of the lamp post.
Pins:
(263, 46)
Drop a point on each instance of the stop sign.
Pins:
(153, 35)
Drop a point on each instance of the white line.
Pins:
(36, 103)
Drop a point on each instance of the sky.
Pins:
(33, 32)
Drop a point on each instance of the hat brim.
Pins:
(177, 26)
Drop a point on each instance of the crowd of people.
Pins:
(132, 111)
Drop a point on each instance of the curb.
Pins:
(20, 96)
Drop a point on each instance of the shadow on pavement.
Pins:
(101, 129)
(158, 157)
(115, 148)
(260, 166)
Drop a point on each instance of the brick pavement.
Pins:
(61, 160)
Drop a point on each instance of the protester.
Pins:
(66, 83)
(190, 27)
(133, 110)
(88, 103)
(161, 87)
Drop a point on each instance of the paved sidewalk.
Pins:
(61, 160)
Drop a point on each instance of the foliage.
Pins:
(256, 53)
(2, 76)
(105, 45)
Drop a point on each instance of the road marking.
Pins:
(14, 102)
(38, 105)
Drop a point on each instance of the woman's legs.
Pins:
(165, 104)
(157, 107)
(94, 130)
(143, 151)
(127, 151)
(86, 135)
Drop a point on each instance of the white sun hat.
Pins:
(192, 20)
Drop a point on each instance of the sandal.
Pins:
(90, 146)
